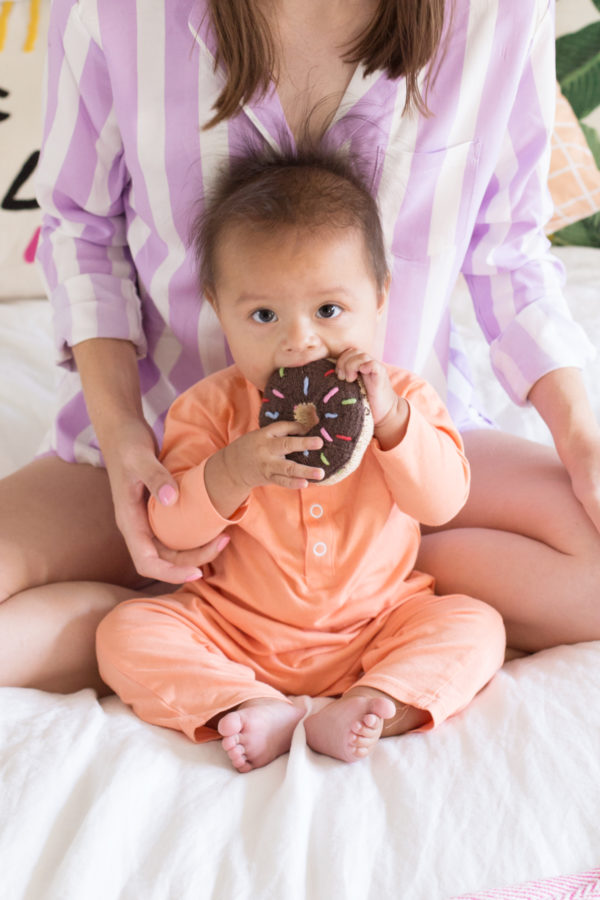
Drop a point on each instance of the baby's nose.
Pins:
(300, 335)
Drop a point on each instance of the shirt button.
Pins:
(316, 510)
(320, 549)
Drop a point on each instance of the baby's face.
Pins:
(294, 297)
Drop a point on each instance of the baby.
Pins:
(316, 593)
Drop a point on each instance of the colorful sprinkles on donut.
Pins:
(336, 411)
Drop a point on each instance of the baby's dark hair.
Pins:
(310, 188)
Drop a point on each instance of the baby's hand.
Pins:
(390, 411)
(259, 457)
(380, 393)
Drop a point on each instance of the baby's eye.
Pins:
(328, 311)
(264, 315)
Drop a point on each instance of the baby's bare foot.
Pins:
(258, 731)
(349, 728)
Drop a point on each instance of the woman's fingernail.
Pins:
(223, 543)
(194, 577)
(167, 495)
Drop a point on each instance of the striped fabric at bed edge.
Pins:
(584, 886)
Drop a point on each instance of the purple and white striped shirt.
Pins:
(125, 161)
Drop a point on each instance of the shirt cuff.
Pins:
(538, 340)
(88, 307)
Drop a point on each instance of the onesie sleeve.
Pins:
(515, 282)
(427, 473)
(192, 435)
(82, 179)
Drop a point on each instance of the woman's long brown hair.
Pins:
(402, 38)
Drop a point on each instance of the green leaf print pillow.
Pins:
(578, 73)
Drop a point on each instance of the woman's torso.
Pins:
(429, 173)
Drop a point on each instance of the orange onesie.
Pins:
(316, 590)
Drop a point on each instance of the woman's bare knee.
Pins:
(523, 543)
(57, 524)
(522, 487)
(47, 635)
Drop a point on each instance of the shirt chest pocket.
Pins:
(426, 198)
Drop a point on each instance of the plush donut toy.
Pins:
(336, 411)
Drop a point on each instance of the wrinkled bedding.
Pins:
(96, 804)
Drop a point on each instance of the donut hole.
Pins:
(306, 414)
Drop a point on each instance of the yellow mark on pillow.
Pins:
(5, 11)
(32, 27)
(34, 22)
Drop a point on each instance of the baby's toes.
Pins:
(365, 733)
(368, 727)
(371, 723)
(359, 752)
(242, 765)
(237, 756)
(361, 745)
(230, 742)
(230, 725)
(362, 741)
(237, 752)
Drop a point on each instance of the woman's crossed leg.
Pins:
(523, 543)
(63, 566)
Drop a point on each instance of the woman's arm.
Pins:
(82, 181)
(108, 370)
(536, 347)
(109, 375)
(515, 281)
(561, 399)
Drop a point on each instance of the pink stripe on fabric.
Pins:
(201, 28)
(90, 120)
(111, 315)
(529, 189)
(365, 123)
(59, 19)
(411, 263)
(58, 26)
(183, 169)
(487, 120)
(409, 279)
(584, 886)
(432, 133)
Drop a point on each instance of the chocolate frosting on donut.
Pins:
(336, 411)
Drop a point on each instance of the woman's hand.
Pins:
(109, 374)
(581, 457)
(134, 471)
(561, 399)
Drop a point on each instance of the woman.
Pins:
(451, 109)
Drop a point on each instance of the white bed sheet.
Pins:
(96, 804)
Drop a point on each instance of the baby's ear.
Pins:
(211, 297)
(384, 292)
